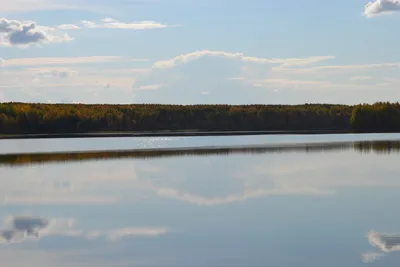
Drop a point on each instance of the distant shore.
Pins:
(170, 134)
(34, 121)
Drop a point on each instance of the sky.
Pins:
(199, 52)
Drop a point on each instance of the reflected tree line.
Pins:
(42, 158)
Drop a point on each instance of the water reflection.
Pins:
(362, 146)
(206, 179)
(301, 205)
(371, 257)
(386, 243)
(22, 228)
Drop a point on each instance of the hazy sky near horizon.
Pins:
(190, 51)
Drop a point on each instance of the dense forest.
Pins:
(26, 118)
(380, 117)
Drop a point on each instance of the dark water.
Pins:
(297, 206)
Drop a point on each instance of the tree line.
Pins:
(34, 118)
(380, 117)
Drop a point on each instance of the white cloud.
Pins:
(323, 77)
(306, 74)
(40, 61)
(136, 71)
(371, 257)
(380, 7)
(385, 242)
(68, 82)
(360, 78)
(31, 5)
(68, 27)
(289, 62)
(289, 82)
(9, 25)
(149, 87)
(25, 33)
(340, 68)
(109, 23)
(19, 33)
(308, 85)
(237, 78)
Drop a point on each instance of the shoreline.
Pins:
(169, 134)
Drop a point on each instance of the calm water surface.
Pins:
(90, 144)
(300, 208)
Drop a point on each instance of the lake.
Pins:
(301, 201)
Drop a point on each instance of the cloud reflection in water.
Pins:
(386, 243)
(18, 229)
(244, 177)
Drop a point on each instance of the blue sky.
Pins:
(189, 51)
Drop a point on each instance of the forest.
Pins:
(36, 118)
